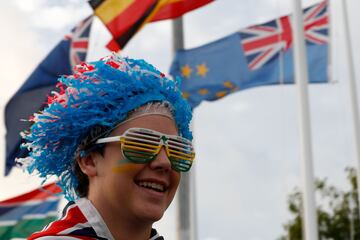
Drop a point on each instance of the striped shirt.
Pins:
(80, 220)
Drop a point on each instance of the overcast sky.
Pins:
(247, 144)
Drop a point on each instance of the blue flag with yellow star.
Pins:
(256, 56)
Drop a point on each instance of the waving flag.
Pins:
(79, 42)
(28, 213)
(264, 42)
(32, 94)
(124, 18)
(256, 56)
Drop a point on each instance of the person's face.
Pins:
(128, 188)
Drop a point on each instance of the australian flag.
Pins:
(256, 56)
(33, 93)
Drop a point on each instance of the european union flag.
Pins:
(256, 56)
(32, 94)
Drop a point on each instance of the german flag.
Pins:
(176, 8)
(124, 18)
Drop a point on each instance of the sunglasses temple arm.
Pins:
(108, 139)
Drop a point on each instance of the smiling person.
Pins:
(116, 135)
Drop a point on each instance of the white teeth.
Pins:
(152, 185)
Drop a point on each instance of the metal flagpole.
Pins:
(185, 221)
(353, 93)
(301, 79)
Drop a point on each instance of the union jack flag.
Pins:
(79, 41)
(316, 24)
(263, 43)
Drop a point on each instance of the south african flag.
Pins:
(22, 215)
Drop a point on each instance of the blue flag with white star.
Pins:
(256, 56)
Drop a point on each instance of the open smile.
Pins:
(153, 185)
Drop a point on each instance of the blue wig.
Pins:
(100, 93)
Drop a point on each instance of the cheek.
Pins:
(175, 179)
(124, 168)
(115, 160)
(127, 171)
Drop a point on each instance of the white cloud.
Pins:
(54, 16)
(18, 46)
(28, 5)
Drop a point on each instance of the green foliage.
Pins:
(338, 212)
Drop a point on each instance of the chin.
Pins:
(152, 214)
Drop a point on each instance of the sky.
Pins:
(247, 144)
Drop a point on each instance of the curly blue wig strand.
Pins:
(100, 93)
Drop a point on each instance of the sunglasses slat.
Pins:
(180, 150)
(182, 158)
(189, 149)
(181, 144)
(141, 148)
(155, 138)
(141, 140)
(185, 157)
(144, 131)
(136, 152)
(183, 167)
(126, 141)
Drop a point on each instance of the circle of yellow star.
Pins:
(228, 84)
(221, 94)
(202, 70)
(185, 95)
(186, 71)
(203, 91)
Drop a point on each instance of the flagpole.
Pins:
(185, 218)
(353, 93)
(301, 78)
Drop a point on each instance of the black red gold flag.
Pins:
(123, 18)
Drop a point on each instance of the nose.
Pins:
(161, 162)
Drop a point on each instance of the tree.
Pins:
(338, 211)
